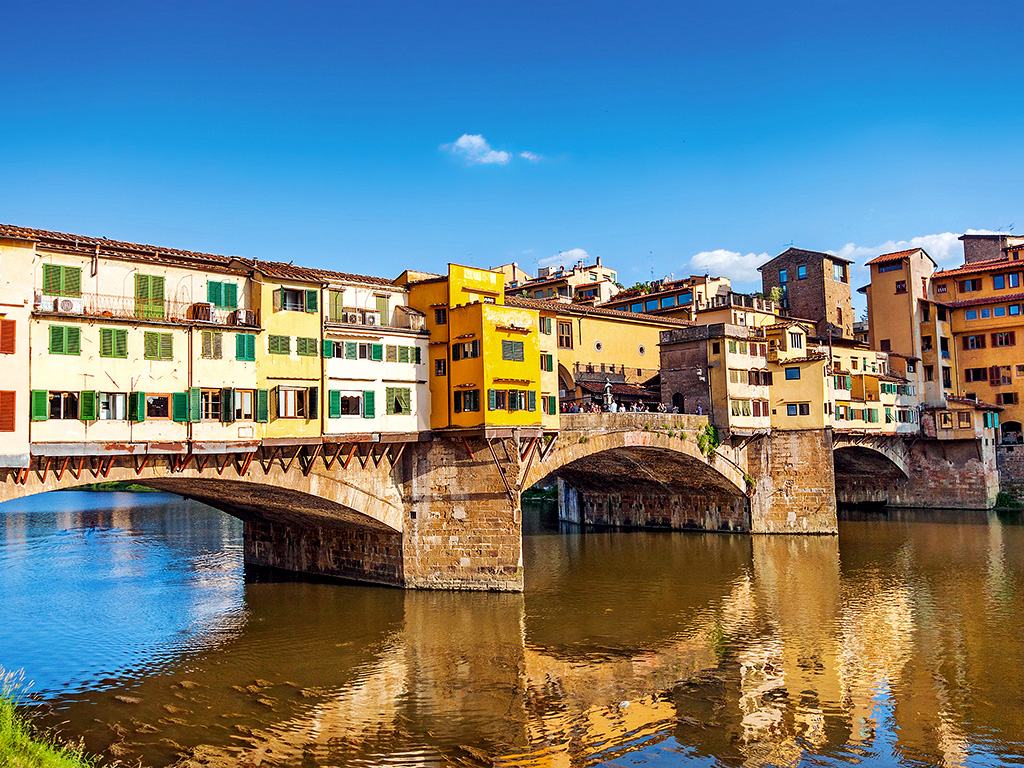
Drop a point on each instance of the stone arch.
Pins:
(566, 381)
(885, 457)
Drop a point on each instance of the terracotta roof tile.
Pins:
(987, 300)
(887, 258)
(977, 267)
(584, 309)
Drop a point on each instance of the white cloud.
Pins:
(944, 247)
(564, 258)
(532, 157)
(740, 268)
(474, 149)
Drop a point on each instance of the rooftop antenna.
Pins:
(789, 244)
(651, 253)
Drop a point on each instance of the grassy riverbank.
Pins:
(22, 746)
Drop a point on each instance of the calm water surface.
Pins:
(901, 642)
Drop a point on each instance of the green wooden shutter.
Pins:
(250, 346)
(152, 345)
(278, 299)
(328, 346)
(51, 279)
(418, 358)
(74, 340)
(377, 352)
(120, 343)
(137, 406)
(334, 404)
(215, 293)
(166, 346)
(88, 405)
(369, 410)
(405, 399)
(403, 354)
(311, 305)
(106, 342)
(553, 405)
(40, 405)
(195, 404)
(531, 397)
(72, 284)
(240, 346)
(389, 400)
(262, 406)
(230, 295)
(227, 405)
(492, 399)
(179, 406)
(382, 309)
(56, 339)
(351, 350)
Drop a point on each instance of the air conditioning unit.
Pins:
(245, 317)
(372, 318)
(68, 305)
(352, 317)
(202, 310)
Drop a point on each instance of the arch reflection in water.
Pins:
(896, 642)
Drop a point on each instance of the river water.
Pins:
(899, 642)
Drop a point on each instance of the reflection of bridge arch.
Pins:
(869, 455)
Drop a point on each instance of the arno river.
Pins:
(901, 642)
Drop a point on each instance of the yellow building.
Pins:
(799, 391)
(672, 298)
(484, 359)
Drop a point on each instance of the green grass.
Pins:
(21, 745)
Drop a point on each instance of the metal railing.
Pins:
(132, 308)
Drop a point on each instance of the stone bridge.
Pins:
(442, 510)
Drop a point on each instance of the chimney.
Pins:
(599, 261)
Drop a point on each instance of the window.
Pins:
(638, 307)
(971, 314)
(244, 399)
(296, 402)
(63, 405)
(968, 286)
(975, 374)
(998, 282)
(60, 280)
(279, 345)
(929, 373)
(963, 419)
(114, 342)
(294, 300)
(926, 343)
(512, 350)
(158, 406)
(565, 335)
(210, 400)
(839, 272)
(716, 348)
(342, 404)
(383, 310)
(782, 276)
(497, 399)
(467, 400)
(976, 341)
(901, 286)
(7, 336)
(245, 346)
(650, 305)
(792, 373)
(801, 272)
(158, 346)
(222, 295)
(1006, 398)
(305, 347)
(796, 340)
(112, 406)
(367, 351)
(149, 297)
(65, 340)
(547, 362)
(668, 301)
(545, 325)
(737, 376)
(947, 377)
(733, 346)
(985, 313)
(897, 267)
(942, 314)
(398, 399)
(212, 345)
(885, 345)
(999, 312)
(440, 367)
(945, 420)
(1014, 309)
(940, 288)
(466, 349)
(1004, 339)
(441, 316)
(1020, 370)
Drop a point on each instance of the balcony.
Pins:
(131, 308)
(403, 317)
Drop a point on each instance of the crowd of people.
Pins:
(616, 407)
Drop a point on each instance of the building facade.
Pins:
(815, 286)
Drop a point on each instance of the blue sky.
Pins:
(663, 136)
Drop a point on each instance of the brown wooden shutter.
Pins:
(7, 403)
(7, 331)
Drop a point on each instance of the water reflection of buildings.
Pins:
(771, 651)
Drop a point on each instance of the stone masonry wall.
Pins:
(361, 554)
(794, 489)
(462, 530)
(1010, 460)
(644, 508)
(948, 474)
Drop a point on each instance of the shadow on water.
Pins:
(897, 642)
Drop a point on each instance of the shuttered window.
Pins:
(262, 405)
(65, 340)
(311, 301)
(212, 345)
(158, 346)
(222, 295)
(8, 402)
(114, 342)
(149, 296)
(306, 347)
(59, 280)
(88, 405)
(7, 337)
(351, 350)
(512, 350)
(398, 400)
(279, 345)
(245, 346)
(369, 411)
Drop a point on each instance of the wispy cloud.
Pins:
(741, 268)
(474, 149)
(564, 258)
(944, 247)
